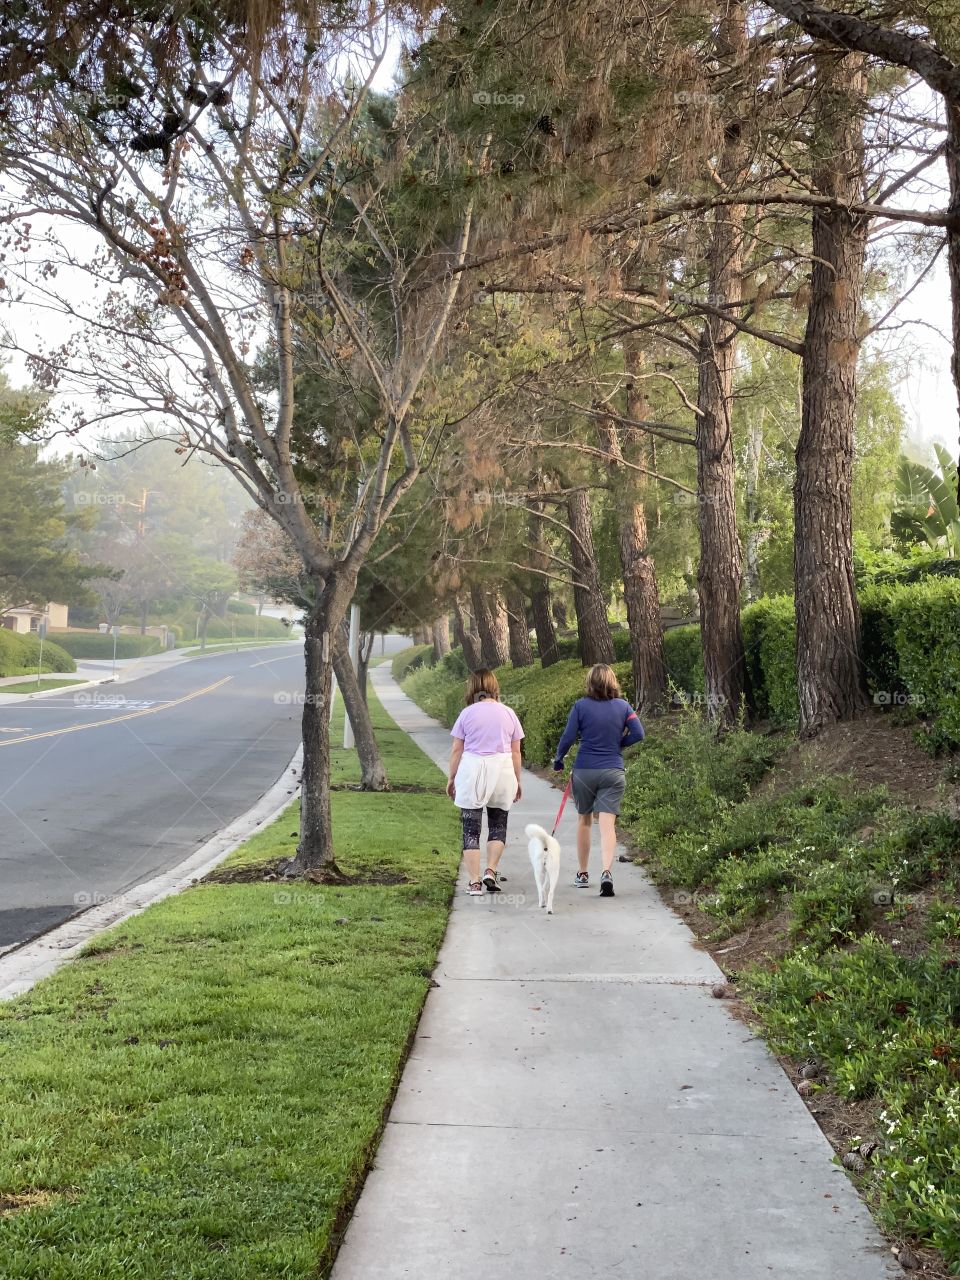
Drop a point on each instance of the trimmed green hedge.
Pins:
(911, 655)
(541, 698)
(409, 659)
(770, 642)
(19, 655)
(98, 644)
(684, 658)
(240, 625)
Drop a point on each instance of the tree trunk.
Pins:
(752, 507)
(560, 613)
(593, 629)
(441, 637)
(144, 610)
(543, 623)
(315, 850)
(720, 569)
(521, 654)
(829, 669)
(540, 592)
(465, 637)
(492, 625)
(204, 625)
(640, 591)
(373, 776)
(953, 244)
(363, 662)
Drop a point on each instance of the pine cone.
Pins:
(545, 125)
(854, 1162)
(507, 167)
(144, 142)
(173, 122)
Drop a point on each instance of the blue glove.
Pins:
(558, 766)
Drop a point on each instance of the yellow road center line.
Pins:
(131, 715)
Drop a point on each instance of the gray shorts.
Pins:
(598, 790)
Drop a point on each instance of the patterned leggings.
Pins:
(496, 826)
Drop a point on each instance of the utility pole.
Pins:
(42, 632)
(354, 646)
(354, 642)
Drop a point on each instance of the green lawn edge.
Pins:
(201, 1093)
(32, 686)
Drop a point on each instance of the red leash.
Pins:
(563, 801)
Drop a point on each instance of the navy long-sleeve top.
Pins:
(604, 727)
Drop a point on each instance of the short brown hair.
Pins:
(602, 683)
(481, 682)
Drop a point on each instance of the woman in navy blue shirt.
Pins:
(605, 723)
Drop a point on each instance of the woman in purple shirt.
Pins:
(484, 774)
(605, 723)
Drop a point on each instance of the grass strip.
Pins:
(199, 1095)
(32, 686)
(225, 646)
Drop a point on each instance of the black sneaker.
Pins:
(606, 885)
(491, 881)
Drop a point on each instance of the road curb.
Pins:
(26, 964)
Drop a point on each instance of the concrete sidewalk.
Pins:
(577, 1104)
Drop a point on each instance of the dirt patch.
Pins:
(273, 872)
(17, 1201)
(873, 751)
(762, 942)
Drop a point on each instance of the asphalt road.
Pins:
(103, 788)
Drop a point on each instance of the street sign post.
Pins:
(42, 633)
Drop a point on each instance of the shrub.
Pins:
(99, 645)
(541, 698)
(684, 658)
(238, 626)
(438, 690)
(455, 663)
(19, 655)
(883, 1024)
(770, 640)
(241, 606)
(409, 659)
(684, 781)
(922, 622)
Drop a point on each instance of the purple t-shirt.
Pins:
(487, 728)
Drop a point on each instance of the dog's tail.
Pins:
(534, 832)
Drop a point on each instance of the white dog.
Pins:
(545, 856)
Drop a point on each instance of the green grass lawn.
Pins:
(32, 686)
(219, 646)
(200, 1094)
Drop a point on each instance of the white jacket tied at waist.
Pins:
(485, 781)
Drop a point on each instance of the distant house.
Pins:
(27, 619)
